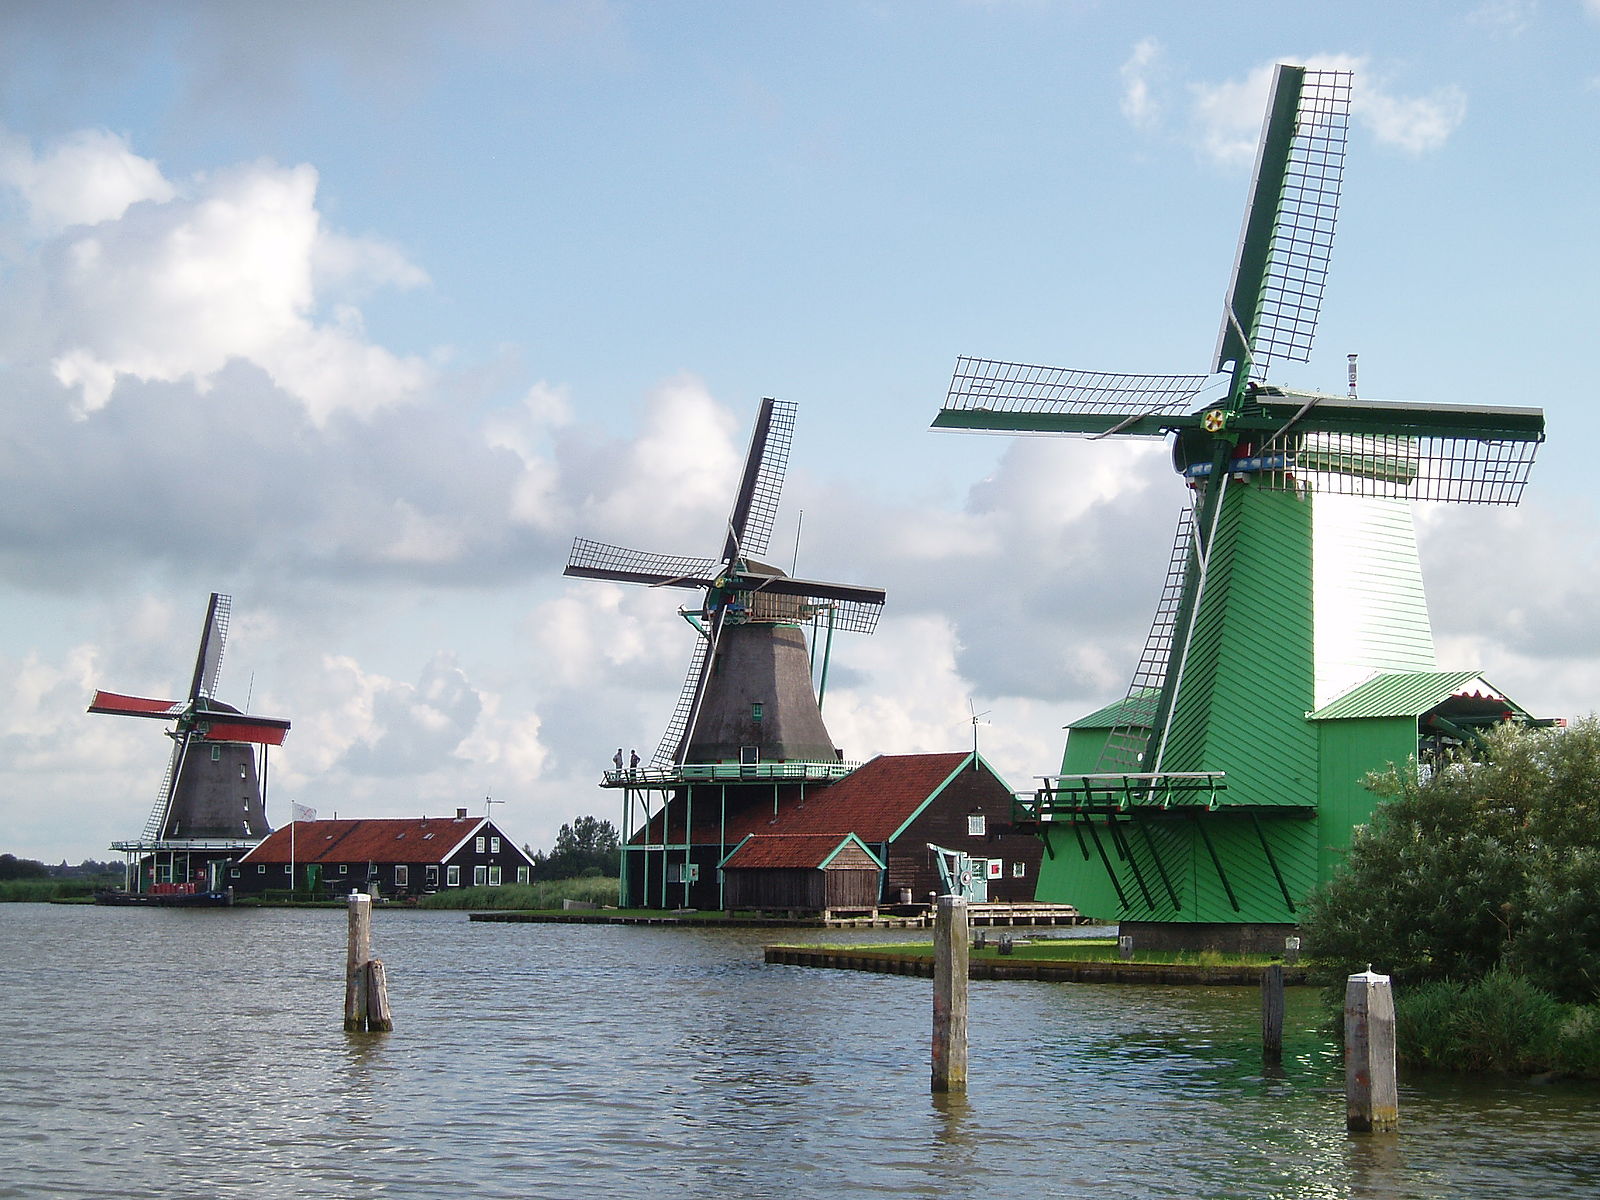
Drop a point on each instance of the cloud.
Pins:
(136, 278)
(88, 177)
(1138, 105)
(1227, 116)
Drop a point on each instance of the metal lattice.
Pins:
(848, 616)
(589, 555)
(213, 641)
(987, 385)
(1458, 469)
(1302, 237)
(762, 510)
(672, 740)
(1125, 744)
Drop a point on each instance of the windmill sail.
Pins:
(213, 638)
(1281, 268)
(748, 627)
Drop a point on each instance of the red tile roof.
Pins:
(378, 840)
(872, 802)
(793, 850)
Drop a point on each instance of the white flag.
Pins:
(299, 812)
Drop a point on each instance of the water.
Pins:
(166, 1053)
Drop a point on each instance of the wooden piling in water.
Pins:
(1371, 1086)
(366, 995)
(950, 995)
(1272, 1014)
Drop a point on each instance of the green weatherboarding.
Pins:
(1291, 651)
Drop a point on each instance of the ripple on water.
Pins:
(162, 1053)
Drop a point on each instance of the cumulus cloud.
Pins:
(1227, 116)
(1139, 105)
(143, 279)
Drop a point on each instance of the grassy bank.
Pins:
(545, 894)
(1083, 950)
(42, 891)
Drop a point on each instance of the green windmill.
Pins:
(1291, 651)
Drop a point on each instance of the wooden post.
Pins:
(1372, 1093)
(379, 1018)
(950, 995)
(366, 996)
(1272, 1013)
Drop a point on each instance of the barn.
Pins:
(389, 857)
(801, 873)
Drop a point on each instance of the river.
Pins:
(172, 1053)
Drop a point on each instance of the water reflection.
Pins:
(155, 1054)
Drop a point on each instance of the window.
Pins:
(976, 825)
(288, 868)
(755, 711)
(344, 868)
(452, 876)
(261, 868)
(494, 876)
(494, 845)
(430, 876)
(402, 876)
(233, 874)
(1019, 870)
(522, 874)
(478, 845)
(480, 875)
(216, 754)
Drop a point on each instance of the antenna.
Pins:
(486, 803)
(977, 719)
(1352, 359)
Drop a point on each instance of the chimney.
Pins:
(461, 814)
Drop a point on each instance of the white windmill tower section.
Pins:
(1369, 609)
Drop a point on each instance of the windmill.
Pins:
(211, 802)
(748, 697)
(1209, 795)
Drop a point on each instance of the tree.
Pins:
(586, 846)
(1477, 865)
(12, 867)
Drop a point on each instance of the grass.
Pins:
(1498, 1024)
(1080, 950)
(40, 891)
(545, 894)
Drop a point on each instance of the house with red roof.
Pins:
(389, 857)
(894, 806)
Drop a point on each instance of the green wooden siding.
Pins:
(1247, 684)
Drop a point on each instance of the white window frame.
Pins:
(478, 844)
(480, 876)
(452, 875)
(494, 876)
(977, 825)
(494, 845)
(522, 874)
(1019, 869)
(402, 875)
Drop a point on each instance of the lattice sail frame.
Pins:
(989, 385)
(1302, 239)
(1452, 469)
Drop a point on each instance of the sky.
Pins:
(362, 312)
